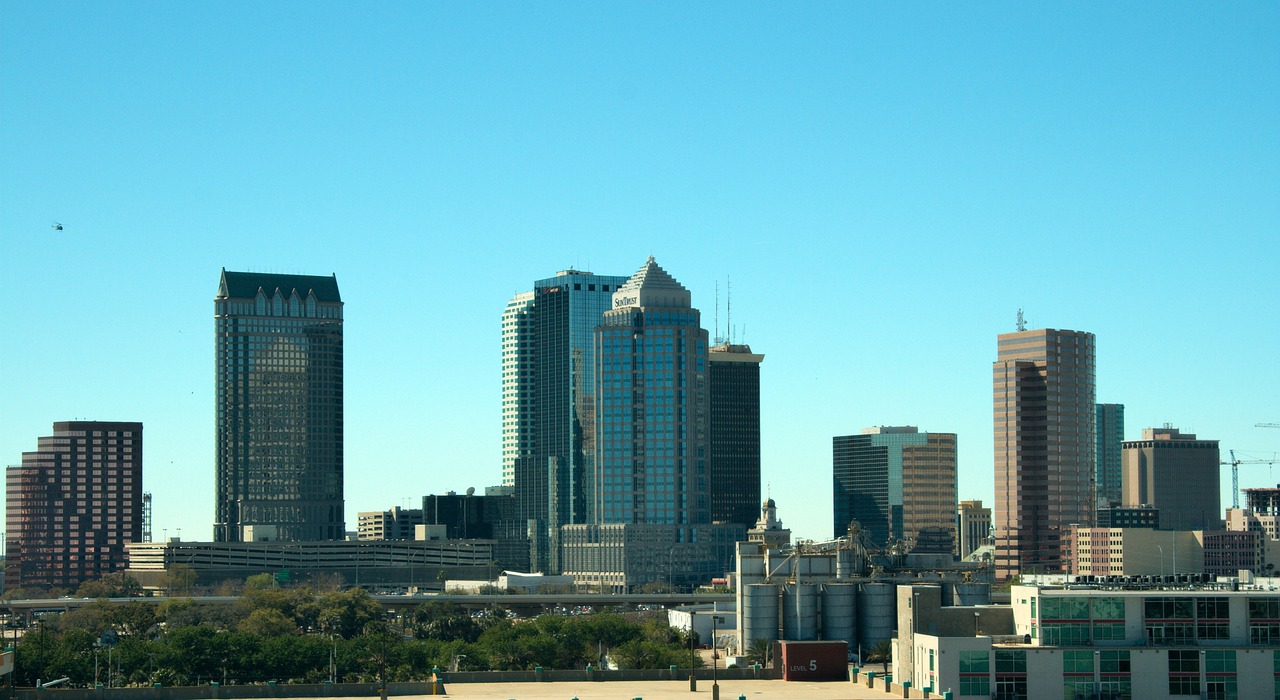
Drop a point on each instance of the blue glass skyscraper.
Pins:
(652, 416)
(554, 422)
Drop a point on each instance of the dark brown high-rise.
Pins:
(1044, 445)
(73, 505)
(734, 397)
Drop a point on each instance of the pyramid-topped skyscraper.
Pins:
(652, 450)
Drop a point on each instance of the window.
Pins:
(1077, 661)
(1113, 661)
(1011, 661)
(1184, 661)
(975, 662)
(975, 685)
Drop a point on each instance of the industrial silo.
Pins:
(760, 618)
(839, 612)
(972, 594)
(800, 611)
(876, 617)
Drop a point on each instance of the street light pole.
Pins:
(715, 687)
(693, 680)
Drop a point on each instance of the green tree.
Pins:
(268, 622)
(444, 621)
(179, 579)
(113, 585)
(342, 613)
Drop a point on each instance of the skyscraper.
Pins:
(549, 376)
(899, 484)
(279, 408)
(1176, 473)
(734, 400)
(73, 505)
(1044, 445)
(652, 415)
(517, 384)
(1109, 432)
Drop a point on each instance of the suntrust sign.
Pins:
(619, 302)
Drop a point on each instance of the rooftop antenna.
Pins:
(716, 339)
(728, 307)
(1022, 322)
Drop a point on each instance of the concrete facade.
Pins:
(1177, 474)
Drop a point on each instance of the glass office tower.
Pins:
(734, 400)
(899, 485)
(279, 408)
(1109, 434)
(550, 339)
(653, 408)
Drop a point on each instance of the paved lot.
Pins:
(664, 690)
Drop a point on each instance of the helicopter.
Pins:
(55, 226)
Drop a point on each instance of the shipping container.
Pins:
(815, 661)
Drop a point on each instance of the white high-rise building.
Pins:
(517, 387)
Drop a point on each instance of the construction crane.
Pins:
(1266, 425)
(1235, 474)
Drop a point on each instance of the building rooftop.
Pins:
(245, 285)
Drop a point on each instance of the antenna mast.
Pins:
(715, 340)
(1022, 322)
(728, 308)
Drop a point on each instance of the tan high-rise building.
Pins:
(1175, 473)
(973, 523)
(1044, 445)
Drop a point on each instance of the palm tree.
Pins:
(881, 651)
(760, 652)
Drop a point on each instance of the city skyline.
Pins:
(845, 175)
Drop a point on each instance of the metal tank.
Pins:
(800, 611)
(972, 594)
(760, 617)
(876, 612)
(840, 612)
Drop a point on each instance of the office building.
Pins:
(1109, 434)
(279, 408)
(899, 484)
(1177, 474)
(549, 354)
(1137, 551)
(491, 516)
(73, 505)
(973, 523)
(1044, 411)
(652, 414)
(734, 401)
(1116, 641)
(1128, 516)
(517, 384)
(395, 524)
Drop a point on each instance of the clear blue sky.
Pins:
(884, 184)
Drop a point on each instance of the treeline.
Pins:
(301, 635)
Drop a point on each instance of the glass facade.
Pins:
(1109, 434)
(899, 485)
(652, 414)
(552, 422)
(279, 408)
(734, 399)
